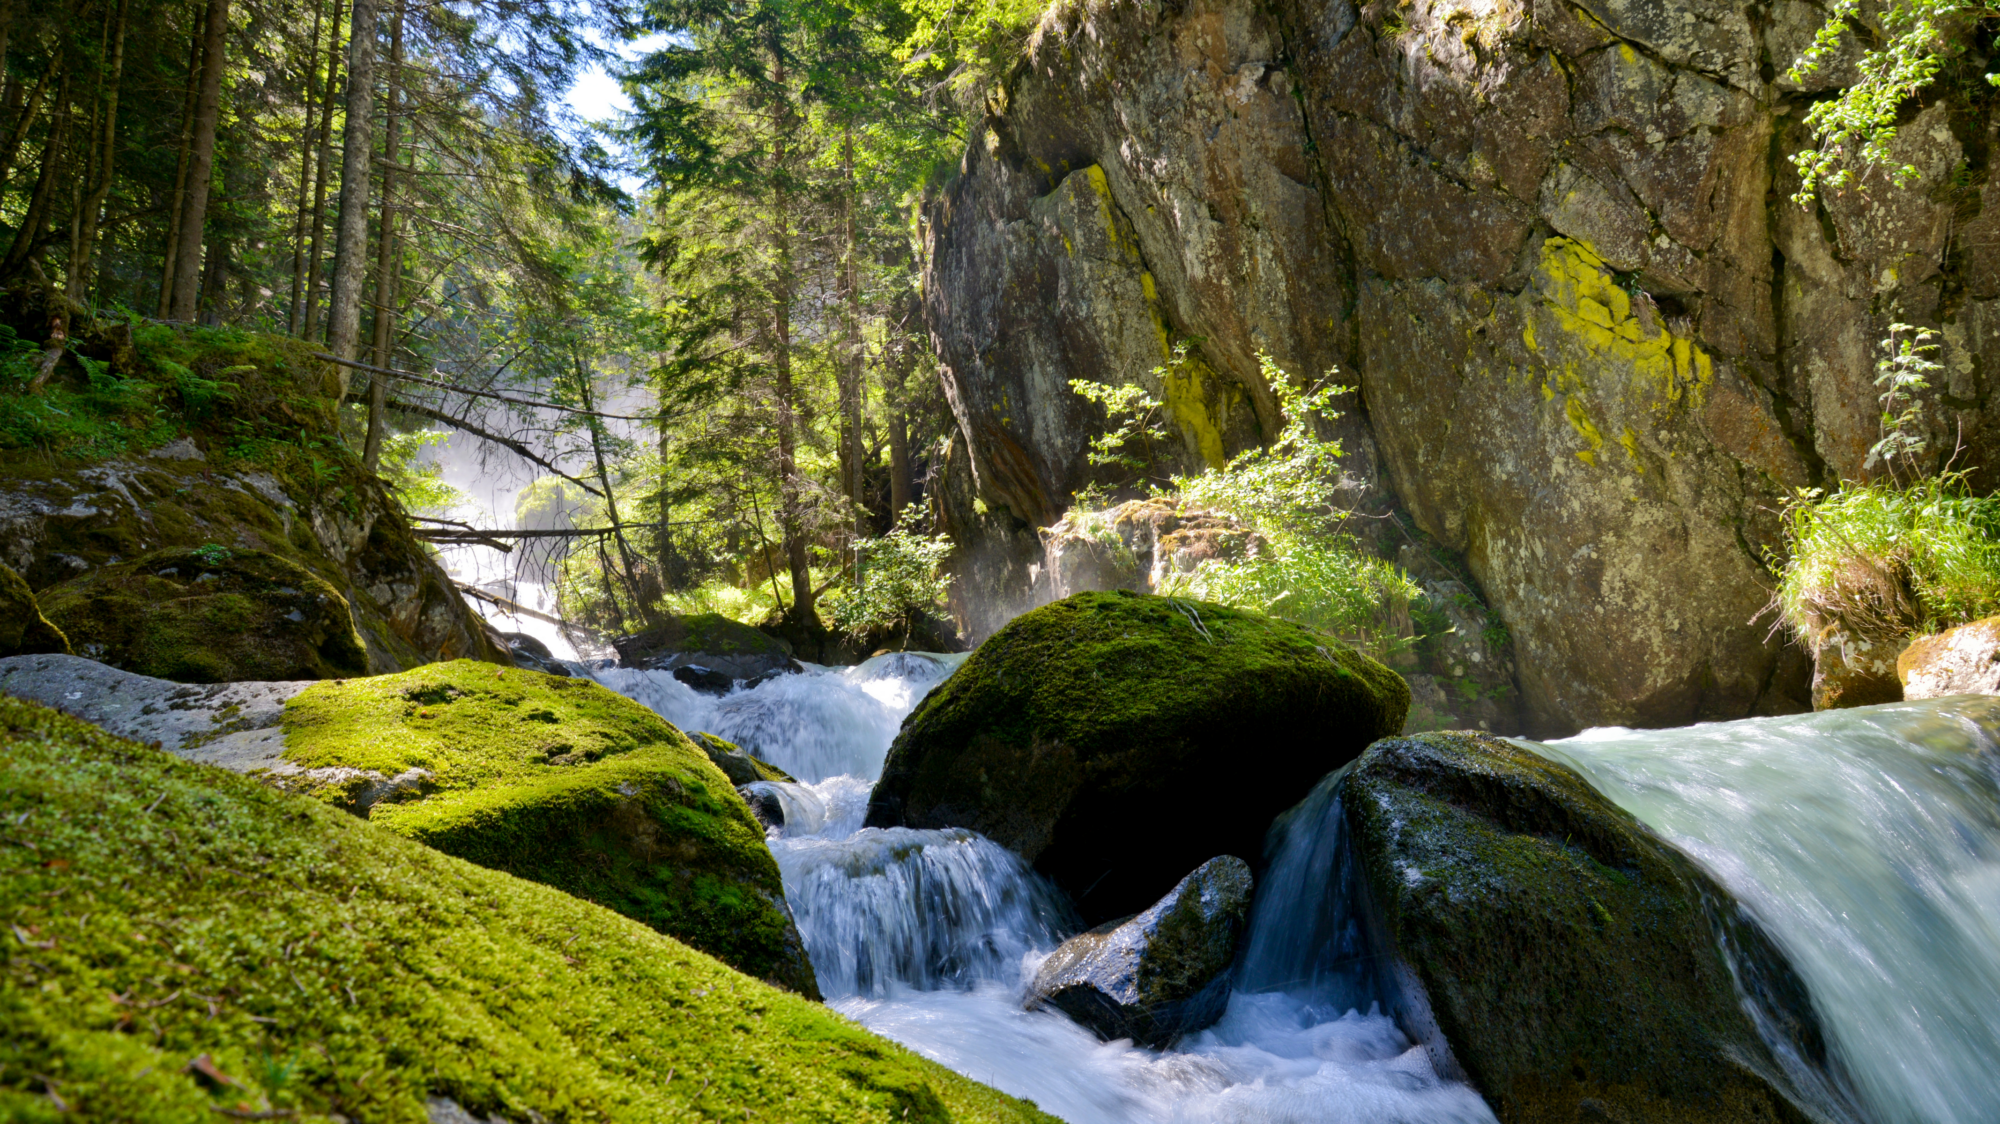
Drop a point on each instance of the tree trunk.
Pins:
(320, 173)
(27, 238)
(26, 121)
(169, 255)
(791, 516)
(852, 459)
(83, 263)
(350, 250)
(306, 146)
(584, 391)
(386, 270)
(201, 163)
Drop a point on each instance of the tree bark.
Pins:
(30, 110)
(28, 237)
(83, 263)
(610, 496)
(320, 173)
(201, 164)
(386, 270)
(300, 218)
(350, 250)
(851, 456)
(791, 516)
(169, 255)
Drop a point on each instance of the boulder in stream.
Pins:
(1572, 965)
(1958, 661)
(1117, 740)
(1157, 976)
(709, 641)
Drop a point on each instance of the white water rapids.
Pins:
(1867, 842)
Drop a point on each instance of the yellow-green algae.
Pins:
(566, 783)
(158, 911)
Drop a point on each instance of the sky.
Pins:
(597, 98)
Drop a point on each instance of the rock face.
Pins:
(553, 779)
(1854, 671)
(64, 522)
(1102, 738)
(1572, 964)
(23, 628)
(442, 982)
(1551, 243)
(1959, 661)
(210, 616)
(1157, 976)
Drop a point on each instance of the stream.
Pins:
(1867, 841)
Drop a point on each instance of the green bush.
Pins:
(898, 576)
(1879, 561)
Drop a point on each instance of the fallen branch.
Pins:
(408, 376)
(504, 442)
(443, 533)
(513, 608)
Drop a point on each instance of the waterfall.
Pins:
(1867, 841)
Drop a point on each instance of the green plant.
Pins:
(1858, 126)
(898, 576)
(418, 483)
(1903, 371)
(1879, 561)
(212, 554)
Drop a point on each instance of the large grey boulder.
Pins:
(1959, 661)
(1157, 976)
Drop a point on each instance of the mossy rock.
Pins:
(708, 640)
(160, 912)
(210, 615)
(24, 631)
(1571, 962)
(563, 782)
(737, 763)
(1118, 740)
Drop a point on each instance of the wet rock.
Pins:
(1101, 738)
(530, 653)
(1959, 661)
(1853, 671)
(23, 628)
(706, 680)
(1157, 976)
(736, 763)
(1549, 947)
(709, 641)
(210, 615)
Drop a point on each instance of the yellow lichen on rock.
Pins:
(1584, 300)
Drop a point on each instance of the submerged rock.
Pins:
(23, 629)
(1574, 966)
(267, 934)
(1116, 740)
(1959, 661)
(210, 615)
(1157, 976)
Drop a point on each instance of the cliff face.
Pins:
(1596, 343)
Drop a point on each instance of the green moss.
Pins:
(739, 766)
(1079, 727)
(1568, 955)
(24, 631)
(210, 615)
(566, 783)
(159, 910)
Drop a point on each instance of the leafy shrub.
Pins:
(1879, 561)
(897, 578)
(418, 483)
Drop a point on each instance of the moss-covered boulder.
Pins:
(736, 762)
(708, 640)
(1570, 962)
(1118, 740)
(560, 781)
(24, 631)
(187, 945)
(210, 615)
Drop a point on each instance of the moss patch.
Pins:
(1568, 955)
(566, 783)
(1078, 729)
(210, 615)
(24, 631)
(160, 911)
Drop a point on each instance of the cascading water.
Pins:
(1867, 842)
